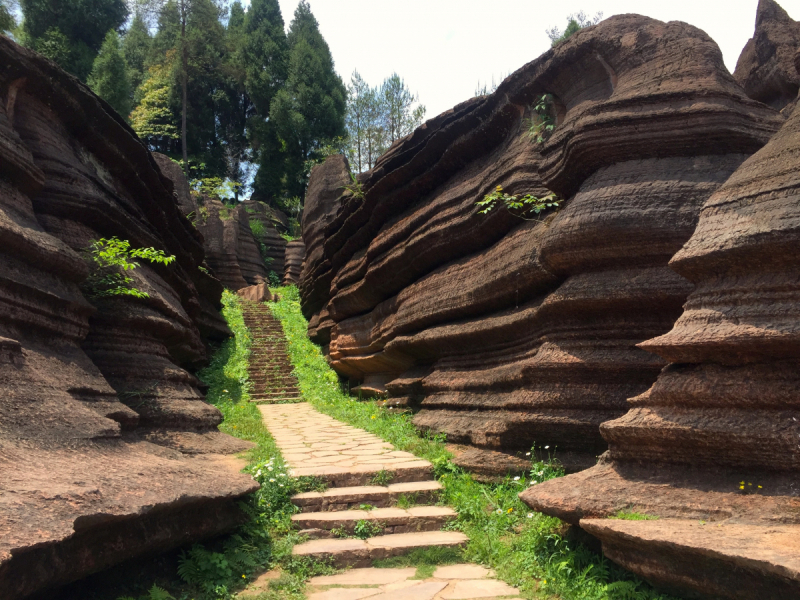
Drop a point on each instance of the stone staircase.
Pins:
(367, 479)
(270, 370)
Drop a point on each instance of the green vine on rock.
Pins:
(520, 205)
(110, 259)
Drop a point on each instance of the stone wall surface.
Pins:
(273, 246)
(766, 68)
(506, 332)
(716, 439)
(88, 384)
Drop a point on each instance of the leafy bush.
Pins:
(575, 22)
(110, 259)
(522, 205)
(257, 227)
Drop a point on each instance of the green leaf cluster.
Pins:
(110, 259)
(521, 206)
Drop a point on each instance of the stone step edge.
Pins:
(391, 520)
(346, 498)
(361, 553)
(411, 471)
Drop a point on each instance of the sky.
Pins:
(445, 48)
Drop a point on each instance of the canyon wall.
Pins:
(107, 448)
(295, 254)
(713, 447)
(503, 332)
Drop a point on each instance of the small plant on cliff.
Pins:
(522, 206)
(355, 188)
(257, 227)
(542, 122)
(575, 22)
(110, 259)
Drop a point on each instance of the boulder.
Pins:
(86, 382)
(256, 293)
(766, 67)
(716, 439)
(506, 332)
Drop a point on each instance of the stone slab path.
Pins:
(366, 479)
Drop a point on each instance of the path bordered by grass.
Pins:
(526, 549)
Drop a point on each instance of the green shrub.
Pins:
(110, 259)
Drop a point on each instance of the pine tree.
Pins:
(397, 100)
(153, 119)
(265, 59)
(109, 76)
(82, 23)
(308, 111)
(136, 48)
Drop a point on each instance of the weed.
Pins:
(406, 501)
(435, 555)
(382, 478)
(366, 529)
(424, 571)
(311, 483)
(542, 122)
(273, 279)
(365, 507)
(257, 227)
(355, 188)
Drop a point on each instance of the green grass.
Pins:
(525, 548)
(216, 571)
(633, 516)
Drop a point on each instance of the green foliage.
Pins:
(109, 77)
(257, 227)
(355, 188)
(110, 259)
(542, 123)
(382, 478)
(633, 516)
(377, 116)
(274, 279)
(136, 45)
(71, 33)
(575, 22)
(7, 20)
(308, 110)
(364, 529)
(521, 205)
(153, 119)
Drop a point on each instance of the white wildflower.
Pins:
(516, 478)
(272, 481)
(530, 515)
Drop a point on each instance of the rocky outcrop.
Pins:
(85, 384)
(324, 195)
(716, 439)
(766, 67)
(268, 235)
(232, 252)
(508, 333)
(295, 254)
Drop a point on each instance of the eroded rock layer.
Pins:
(506, 332)
(295, 254)
(766, 67)
(76, 493)
(716, 439)
(268, 236)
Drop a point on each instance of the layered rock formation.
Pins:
(508, 332)
(295, 254)
(717, 437)
(84, 384)
(766, 67)
(268, 237)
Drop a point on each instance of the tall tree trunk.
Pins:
(184, 85)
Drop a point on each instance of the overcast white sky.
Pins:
(442, 48)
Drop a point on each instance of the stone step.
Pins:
(348, 498)
(341, 476)
(390, 520)
(361, 553)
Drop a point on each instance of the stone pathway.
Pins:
(270, 370)
(367, 478)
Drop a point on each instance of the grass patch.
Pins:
(422, 557)
(217, 570)
(526, 549)
(633, 516)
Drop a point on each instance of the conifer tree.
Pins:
(265, 59)
(71, 33)
(109, 76)
(136, 48)
(308, 111)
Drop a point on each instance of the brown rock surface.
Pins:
(717, 436)
(766, 67)
(293, 263)
(508, 332)
(271, 243)
(76, 494)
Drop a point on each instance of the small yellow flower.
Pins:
(509, 510)
(741, 487)
(499, 188)
(244, 576)
(374, 417)
(759, 487)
